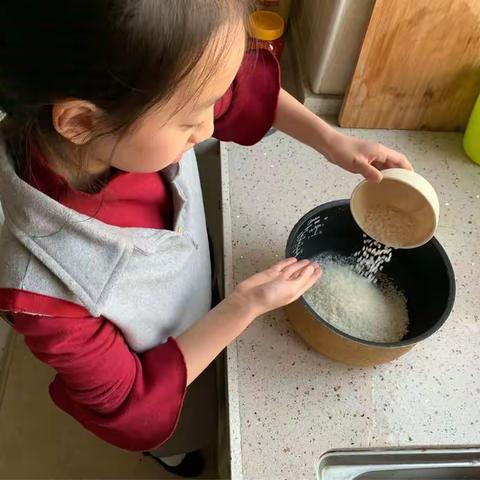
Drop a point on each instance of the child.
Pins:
(105, 265)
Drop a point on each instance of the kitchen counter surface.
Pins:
(288, 404)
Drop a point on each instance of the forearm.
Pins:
(299, 122)
(202, 343)
(263, 292)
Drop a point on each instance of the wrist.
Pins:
(240, 306)
(327, 140)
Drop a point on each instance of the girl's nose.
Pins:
(203, 131)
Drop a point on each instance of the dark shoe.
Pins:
(193, 465)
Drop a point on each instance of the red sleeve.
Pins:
(247, 110)
(129, 400)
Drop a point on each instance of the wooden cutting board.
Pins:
(419, 66)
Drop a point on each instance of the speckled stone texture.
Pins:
(289, 404)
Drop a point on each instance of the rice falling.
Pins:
(370, 260)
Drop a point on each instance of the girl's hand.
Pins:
(363, 157)
(276, 287)
(279, 285)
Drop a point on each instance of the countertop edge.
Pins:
(233, 406)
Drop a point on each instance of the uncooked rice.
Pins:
(374, 311)
(393, 227)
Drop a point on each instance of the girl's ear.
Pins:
(75, 120)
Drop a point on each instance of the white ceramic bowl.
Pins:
(407, 199)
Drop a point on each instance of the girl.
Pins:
(105, 263)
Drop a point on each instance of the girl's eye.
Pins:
(188, 127)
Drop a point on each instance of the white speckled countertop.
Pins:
(289, 404)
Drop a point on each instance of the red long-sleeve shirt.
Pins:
(128, 399)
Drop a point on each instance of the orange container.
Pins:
(267, 29)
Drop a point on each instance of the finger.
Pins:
(396, 159)
(379, 156)
(370, 172)
(303, 273)
(269, 273)
(297, 274)
(310, 282)
(307, 278)
(279, 266)
(291, 270)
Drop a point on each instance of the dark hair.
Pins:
(122, 55)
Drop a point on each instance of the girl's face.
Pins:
(163, 135)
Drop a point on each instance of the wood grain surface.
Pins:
(419, 67)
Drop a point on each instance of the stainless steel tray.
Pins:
(420, 463)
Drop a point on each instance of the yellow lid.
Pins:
(266, 25)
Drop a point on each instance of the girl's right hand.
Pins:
(281, 284)
(273, 288)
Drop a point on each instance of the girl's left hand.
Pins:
(363, 157)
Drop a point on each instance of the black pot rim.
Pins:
(391, 345)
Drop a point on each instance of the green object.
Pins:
(471, 139)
